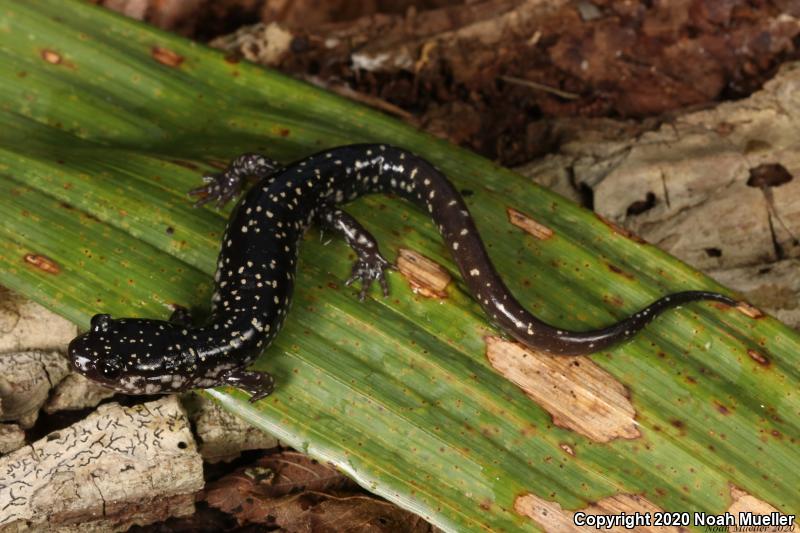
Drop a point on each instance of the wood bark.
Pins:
(118, 467)
(221, 435)
(715, 187)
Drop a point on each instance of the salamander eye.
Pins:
(100, 322)
(109, 369)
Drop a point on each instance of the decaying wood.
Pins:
(25, 382)
(100, 473)
(30, 366)
(27, 325)
(76, 392)
(12, 437)
(118, 467)
(714, 187)
(221, 435)
(774, 287)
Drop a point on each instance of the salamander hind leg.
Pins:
(258, 384)
(226, 185)
(370, 265)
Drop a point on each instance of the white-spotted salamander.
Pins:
(256, 270)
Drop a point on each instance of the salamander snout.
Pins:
(92, 353)
(129, 354)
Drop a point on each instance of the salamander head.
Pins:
(129, 355)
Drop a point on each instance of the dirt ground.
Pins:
(492, 75)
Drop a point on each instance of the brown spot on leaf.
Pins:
(758, 357)
(528, 224)
(167, 57)
(749, 310)
(567, 448)
(551, 517)
(425, 276)
(89, 216)
(614, 300)
(721, 408)
(51, 56)
(43, 263)
(583, 398)
(617, 270)
(620, 230)
(193, 166)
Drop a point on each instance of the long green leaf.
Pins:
(105, 123)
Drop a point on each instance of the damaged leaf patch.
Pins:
(528, 224)
(551, 517)
(577, 393)
(425, 276)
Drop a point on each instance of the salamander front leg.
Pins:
(226, 185)
(370, 264)
(258, 384)
(181, 316)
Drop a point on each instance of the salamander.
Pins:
(255, 273)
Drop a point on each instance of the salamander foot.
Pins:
(221, 187)
(181, 316)
(369, 266)
(226, 185)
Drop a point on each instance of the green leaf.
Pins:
(105, 123)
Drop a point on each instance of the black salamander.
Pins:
(256, 273)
